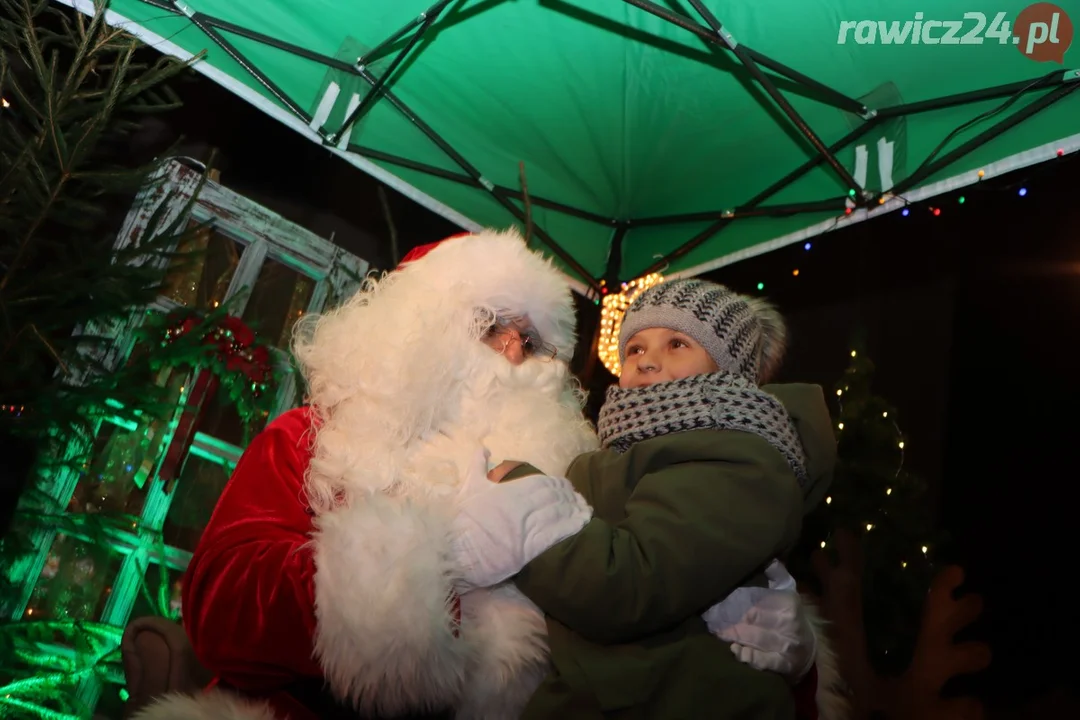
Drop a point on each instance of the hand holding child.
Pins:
(500, 471)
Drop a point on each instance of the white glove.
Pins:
(500, 528)
(767, 627)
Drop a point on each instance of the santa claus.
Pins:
(340, 575)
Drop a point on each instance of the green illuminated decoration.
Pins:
(135, 430)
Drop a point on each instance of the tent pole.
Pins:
(916, 177)
(372, 95)
(422, 19)
(614, 261)
(611, 277)
(467, 180)
(984, 137)
(991, 93)
(200, 21)
(687, 246)
(752, 208)
(498, 194)
(777, 97)
(833, 97)
(784, 181)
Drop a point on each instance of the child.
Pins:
(702, 480)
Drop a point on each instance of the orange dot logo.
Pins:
(1043, 32)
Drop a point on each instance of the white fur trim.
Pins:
(832, 699)
(509, 634)
(385, 638)
(215, 704)
(496, 269)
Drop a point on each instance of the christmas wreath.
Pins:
(226, 347)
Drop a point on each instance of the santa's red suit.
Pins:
(322, 585)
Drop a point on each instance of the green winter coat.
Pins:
(679, 522)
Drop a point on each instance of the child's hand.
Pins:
(497, 473)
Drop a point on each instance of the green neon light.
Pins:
(128, 425)
(214, 450)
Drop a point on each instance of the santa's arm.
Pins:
(248, 594)
(358, 596)
(386, 636)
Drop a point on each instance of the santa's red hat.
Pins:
(420, 251)
(496, 269)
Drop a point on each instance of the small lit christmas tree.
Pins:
(874, 496)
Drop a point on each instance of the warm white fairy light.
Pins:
(611, 316)
(900, 444)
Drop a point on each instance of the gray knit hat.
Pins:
(744, 335)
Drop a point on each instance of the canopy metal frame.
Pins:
(1057, 86)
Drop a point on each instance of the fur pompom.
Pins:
(215, 704)
(832, 699)
(773, 343)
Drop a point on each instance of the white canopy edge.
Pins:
(166, 47)
(1027, 158)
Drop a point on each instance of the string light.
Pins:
(611, 317)
(806, 246)
(761, 286)
(4, 103)
(1023, 192)
(900, 442)
(795, 272)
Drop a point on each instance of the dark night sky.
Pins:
(969, 318)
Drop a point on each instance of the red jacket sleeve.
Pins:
(248, 595)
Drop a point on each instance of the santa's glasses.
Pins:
(532, 346)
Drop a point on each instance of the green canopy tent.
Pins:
(676, 136)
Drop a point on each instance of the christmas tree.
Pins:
(874, 496)
(72, 90)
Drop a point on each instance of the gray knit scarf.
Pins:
(719, 400)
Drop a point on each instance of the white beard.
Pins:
(530, 413)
